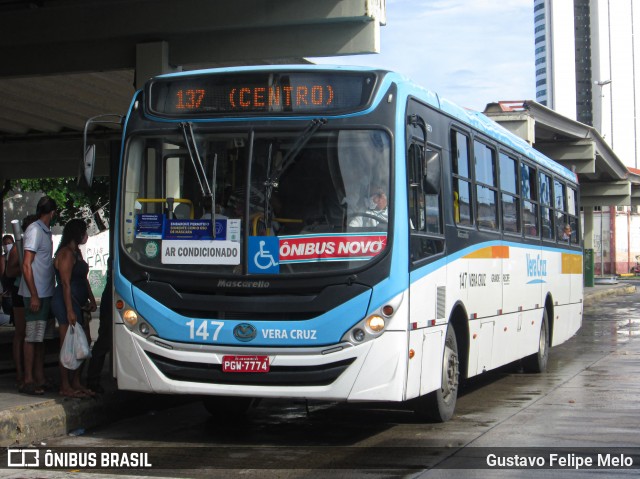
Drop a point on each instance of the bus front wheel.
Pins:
(537, 362)
(439, 405)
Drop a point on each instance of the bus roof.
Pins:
(473, 119)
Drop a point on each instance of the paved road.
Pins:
(589, 398)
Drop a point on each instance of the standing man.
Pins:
(37, 286)
(102, 346)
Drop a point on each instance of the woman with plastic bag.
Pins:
(72, 296)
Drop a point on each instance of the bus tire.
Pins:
(439, 405)
(226, 408)
(537, 362)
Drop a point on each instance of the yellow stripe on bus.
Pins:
(571, 263)
(490, 252)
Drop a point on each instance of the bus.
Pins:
(332, 233)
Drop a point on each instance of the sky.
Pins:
(472, 52)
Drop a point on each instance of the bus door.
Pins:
(426, 245)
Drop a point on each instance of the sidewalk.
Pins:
(31, 419)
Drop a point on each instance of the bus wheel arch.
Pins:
(537, 362)
(548, 306)
(439, 405)
(458, 319)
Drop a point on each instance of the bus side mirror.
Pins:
(431, 172)
(85, 175)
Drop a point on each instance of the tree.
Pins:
(72, 201)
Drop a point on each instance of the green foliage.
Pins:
(73, 201)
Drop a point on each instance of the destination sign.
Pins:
(217, 94)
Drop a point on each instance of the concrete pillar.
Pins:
(588, 227)
(152, 59)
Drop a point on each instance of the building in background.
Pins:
(588, 69)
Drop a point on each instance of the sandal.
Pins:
(73, 393)
(32, 390)
(48, 385)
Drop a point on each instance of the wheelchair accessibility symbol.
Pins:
(264, 255)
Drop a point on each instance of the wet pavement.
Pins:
(588, 398)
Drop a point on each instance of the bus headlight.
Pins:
(375, 323)
(130, 317)
(358, 335)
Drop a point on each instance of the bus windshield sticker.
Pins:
(149, 226)
(263, 255)
(194, 230)
(314, 248)
(208, 252)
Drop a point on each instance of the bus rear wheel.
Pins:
(439, 405)
(226, 408)
(537, 362)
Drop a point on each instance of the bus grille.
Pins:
(320, 375)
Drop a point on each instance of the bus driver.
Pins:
(377, 207)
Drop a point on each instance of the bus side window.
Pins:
(463, 206)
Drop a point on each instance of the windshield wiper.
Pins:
(207, 193)
(290, 158)
(192, 148)
(300, 143)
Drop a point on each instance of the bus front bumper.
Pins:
(373, 371)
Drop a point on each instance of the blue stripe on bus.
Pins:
(328, 328)
(431, 267)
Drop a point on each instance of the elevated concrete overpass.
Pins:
(65, 61)
(604, 179)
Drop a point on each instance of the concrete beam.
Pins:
(518, 123)
(580, 155)
(151, 59)
(616, 193)
(612, 188)
(49, 158)
(80, 36)
(635, 195)
(592, 201)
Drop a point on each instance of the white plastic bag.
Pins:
(68, 351)
(81, 345)
(75, 348)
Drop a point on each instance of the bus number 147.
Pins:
(201, 331)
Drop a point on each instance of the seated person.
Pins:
(377, 206)
(566, 233)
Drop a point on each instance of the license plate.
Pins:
(245, 364)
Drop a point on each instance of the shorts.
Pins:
(43, 312)
(34, 332)
(16, 299)
(60, 311)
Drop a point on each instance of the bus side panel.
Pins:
(577, 281)
(522, 290)
(126, 363)
(382, 376)
(427, 341)
(484, 282)
(433, 351)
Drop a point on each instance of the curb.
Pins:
(594, 296)
(32, 423)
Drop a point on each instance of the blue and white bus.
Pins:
(336, 234)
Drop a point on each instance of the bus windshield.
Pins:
(305, 200)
